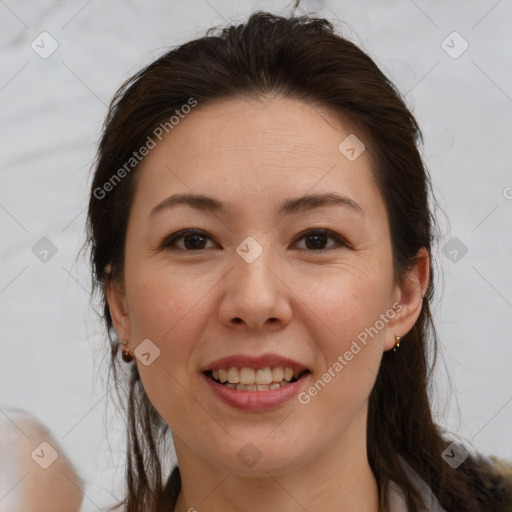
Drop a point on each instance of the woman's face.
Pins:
(266, 272)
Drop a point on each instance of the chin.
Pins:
(257, 456)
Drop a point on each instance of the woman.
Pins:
(260, 236)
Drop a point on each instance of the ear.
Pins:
(409, 296)
(116, 298)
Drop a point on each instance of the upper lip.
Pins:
(245, 361)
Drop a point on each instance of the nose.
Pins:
(256, 294)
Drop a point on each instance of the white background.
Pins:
(53, 357)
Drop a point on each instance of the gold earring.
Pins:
(127, 358)
(397, 343)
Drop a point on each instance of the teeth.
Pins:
(247, 376)
(263, 376)
(233, 375)
(257, 387)
(249, 379)
(277, 374)
(241, 387)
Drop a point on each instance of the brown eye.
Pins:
(316, 239)
(192, 240)
(186, 240)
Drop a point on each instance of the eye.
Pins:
(193, 240)
(315, 239)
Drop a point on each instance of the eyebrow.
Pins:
(299, 204)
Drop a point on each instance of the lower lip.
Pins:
(256, 400)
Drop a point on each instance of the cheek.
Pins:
(349, 350)
(156, 302)
(346, 304)
(169, 309)
(345, 315)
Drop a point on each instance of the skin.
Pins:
(304, 303)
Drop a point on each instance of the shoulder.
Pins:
(493, 477)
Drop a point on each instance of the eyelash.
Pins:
(170, 242)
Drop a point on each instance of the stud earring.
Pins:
(127, 358)
(397, 343)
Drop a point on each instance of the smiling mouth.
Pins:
(248, 379)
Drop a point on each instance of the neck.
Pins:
(339, 479)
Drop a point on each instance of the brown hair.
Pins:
(303, 58)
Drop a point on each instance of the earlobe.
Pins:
(410, 297)
(117, 304)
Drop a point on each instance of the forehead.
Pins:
(247, 148)
(265, 127)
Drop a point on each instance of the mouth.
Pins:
(256, 379)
